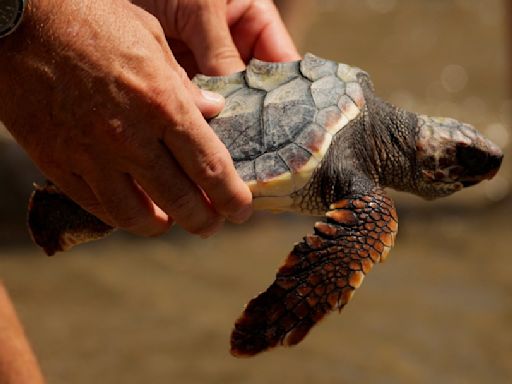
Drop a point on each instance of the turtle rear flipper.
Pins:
(319, 275)
(56, 223)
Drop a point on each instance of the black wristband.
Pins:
(11, 13)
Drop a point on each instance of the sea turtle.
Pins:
(312, 137)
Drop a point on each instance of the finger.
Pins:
(259, 31)
(203, 27)
(177, 195)
(184, 56)
(211, 168)
(206, 161)
(209, 103)
(130, 208)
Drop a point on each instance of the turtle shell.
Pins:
(280, 118)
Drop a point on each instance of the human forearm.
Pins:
(17, 362)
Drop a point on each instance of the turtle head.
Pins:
(451, 155)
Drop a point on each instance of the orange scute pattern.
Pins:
(319, 275)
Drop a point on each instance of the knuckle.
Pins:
(150, 21)
(225, 53)
(116, 133)
(155, 26)
(213, 168)
(219, 56)
(156, 93)
(163, 103)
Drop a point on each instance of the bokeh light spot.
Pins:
(498, 133)
(497, 189)
(454, 78)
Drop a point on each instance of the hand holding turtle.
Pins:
(216, 37)
(92, 92)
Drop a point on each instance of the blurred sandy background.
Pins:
(440, 310)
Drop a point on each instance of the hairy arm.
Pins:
(92, 92)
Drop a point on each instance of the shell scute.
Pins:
(246, 170)
(241, 102)
(268, 76)
(314, 67)
(238, 125)
(330, 118)
(295, 90)
(284, 121)
(315, 140)
(225, 85)
(348, 107)
(347, 73)
(287, 110)
(327, 90)
(269, 166)
(273, 177)
(355, 92)
(294, 156)
(300, 162)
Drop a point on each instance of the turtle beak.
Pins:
(479, 163)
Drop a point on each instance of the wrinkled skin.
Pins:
(104, 108)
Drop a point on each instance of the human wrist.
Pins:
(33, 11)
(19, 53)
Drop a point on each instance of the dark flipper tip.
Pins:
(56, 223)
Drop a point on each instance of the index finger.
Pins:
(258, 31)
(203, 27)
(205, 159)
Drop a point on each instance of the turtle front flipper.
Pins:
(56, 223)
(319, 275)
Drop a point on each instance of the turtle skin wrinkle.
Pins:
(311, 137)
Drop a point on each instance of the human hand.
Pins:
(216, 37)
(92, 92)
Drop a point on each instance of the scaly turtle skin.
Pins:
(312, 137)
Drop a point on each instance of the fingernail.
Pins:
(242, 215)
(212, 97)
(213, 229)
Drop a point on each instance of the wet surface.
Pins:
(439, 310)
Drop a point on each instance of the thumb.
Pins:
(209, 103)
(207, 34)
